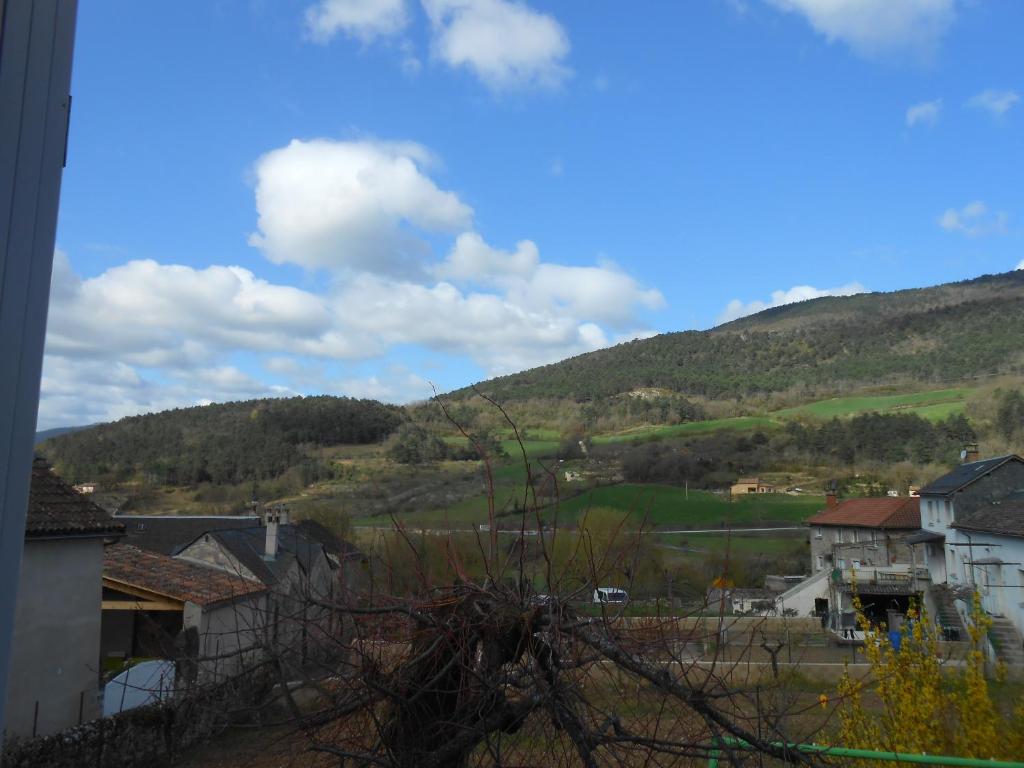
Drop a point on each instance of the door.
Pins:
(990, 585)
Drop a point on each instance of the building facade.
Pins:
(54, 680)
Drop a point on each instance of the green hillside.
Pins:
(924, 336)
(223, 443)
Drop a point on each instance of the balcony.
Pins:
(898, 579)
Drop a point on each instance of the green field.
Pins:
(658, 505)
(668, 505)
(935, 404)
(689, 428)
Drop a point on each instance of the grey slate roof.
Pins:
(169, 534)
(57, 509)
(964, 475)
(314, 531)
(1006, 519)
(249, 544)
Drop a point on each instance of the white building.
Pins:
(972, 537)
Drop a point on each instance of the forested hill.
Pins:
(926, 335)
(223, 443)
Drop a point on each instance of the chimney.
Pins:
(831, 494)
(970, 453)
(271, 520)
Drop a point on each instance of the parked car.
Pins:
(610, 595)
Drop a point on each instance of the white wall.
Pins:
(56, 650)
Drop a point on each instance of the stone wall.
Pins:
(149, 736)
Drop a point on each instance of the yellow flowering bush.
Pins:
(910, 700)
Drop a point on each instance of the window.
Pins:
(817, 532)
(842, 562)
(819, 562)
(839, 535)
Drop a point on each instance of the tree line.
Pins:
(225, 443)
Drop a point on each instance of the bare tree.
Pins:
(511, 663)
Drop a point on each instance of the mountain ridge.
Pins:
(949, 332)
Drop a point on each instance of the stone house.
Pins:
(746, 485)
(159, 606)
(863, 533)
(302, 567)
(53, 681)
(858, 546)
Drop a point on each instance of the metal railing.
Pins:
(729, 743)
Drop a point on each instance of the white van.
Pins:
(610, 595)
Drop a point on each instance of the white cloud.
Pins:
(395, 386)
(495, 332)
(505, 44)
(364, 20)
(601, 293)
(974, 220)
(736, 308)
(1020, 264)
(998, 103)
(83, 391)
(149, 314)
(926, 113)
(473, 260)
(877, 27)
(351, 204)
(143, 335)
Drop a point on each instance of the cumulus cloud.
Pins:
(974, 220)
(364, 20)
(351, 204)
(1020, 264)
(84, 391)
(151, 314)
(505, 44)
(497, 333)
(473, 260)
(603, 292)
(925, 113)
(737, 308)
(877, 27)
(146, 335)
(997, 103)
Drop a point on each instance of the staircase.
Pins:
(948, 618)
(1006, 642)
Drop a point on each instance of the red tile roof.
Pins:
(885, 512)
(174, 578)
(56, 509)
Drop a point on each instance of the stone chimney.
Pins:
(271, 520)
(831, 494)
(970, 453)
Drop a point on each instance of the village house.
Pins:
(157, 606)
(746, 485)
(859, 546)
(300, 569)
(742, 601)
(862, 533)
(972, 537)
(53, 681)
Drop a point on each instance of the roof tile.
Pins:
(885, 512)
(171, 577)
(57, 509)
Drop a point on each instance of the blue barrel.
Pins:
(895, 639)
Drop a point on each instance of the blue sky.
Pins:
(365, 197)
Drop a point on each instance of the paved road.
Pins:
(534, 532)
